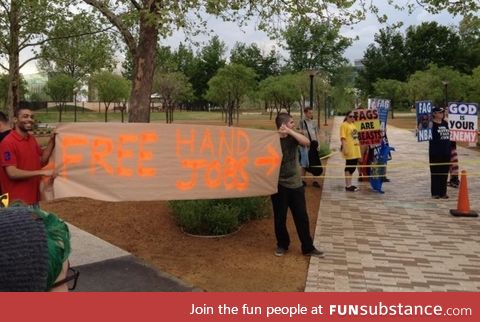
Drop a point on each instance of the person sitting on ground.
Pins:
(34, 251)
(350, 149)
(291, 192)
(310, 129)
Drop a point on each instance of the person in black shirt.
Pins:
(439, 154)
(4, 130)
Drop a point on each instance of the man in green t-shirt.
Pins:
(291, 193)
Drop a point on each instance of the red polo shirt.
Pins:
(25, 154)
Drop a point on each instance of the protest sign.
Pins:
(463, 121)
(368, 126)
(424, 120)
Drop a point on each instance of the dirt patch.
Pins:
(240, 262)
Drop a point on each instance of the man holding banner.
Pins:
(22, 160)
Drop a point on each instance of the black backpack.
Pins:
(313, 157)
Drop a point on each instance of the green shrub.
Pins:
(217, 216)
(324, 150)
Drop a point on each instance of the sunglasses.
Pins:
(350, 116)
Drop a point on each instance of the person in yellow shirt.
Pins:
(350, 149)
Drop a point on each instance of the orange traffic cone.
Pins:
(463, 204)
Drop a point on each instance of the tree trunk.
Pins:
(144, 68)
(13, 95)
(107, 105)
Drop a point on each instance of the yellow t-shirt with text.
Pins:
(351, 147)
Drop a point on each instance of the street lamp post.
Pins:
(312, 73)
(311, 89)
(325, 106)
(445, 91)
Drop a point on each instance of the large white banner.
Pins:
(135, 161)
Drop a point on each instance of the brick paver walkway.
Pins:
(402, 240)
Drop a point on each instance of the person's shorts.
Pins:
(351, 165)
(304, 157)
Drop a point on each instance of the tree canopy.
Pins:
(315, 46)
(141, 23)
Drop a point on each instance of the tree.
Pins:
(23, 25)
(142, 22)
(251, 56)
(391, 89)
(60, 89)
(385, 59)
(429, 85)
(165, 60)
(315, 46)
(210, 59)
(111, 88)
(469, 31)
(76, 56)
(279, 92)
(173, 88)
(431, 43)
(473, 91)
(229, 86)
(342, 81)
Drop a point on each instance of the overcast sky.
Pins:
(231, 33)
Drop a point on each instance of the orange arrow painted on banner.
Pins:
(273, 159)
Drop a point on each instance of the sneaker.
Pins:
(280, 251)
(314, 252)
(436, 197)
(453, 184)
(351, 188)
(315, 184)
(444, 197)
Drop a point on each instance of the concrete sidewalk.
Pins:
(106, 268)
(402, 240)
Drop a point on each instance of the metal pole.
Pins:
(311, 90)
(445, 91)
(325, 103)
(446, 94)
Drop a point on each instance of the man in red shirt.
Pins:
(22, 160)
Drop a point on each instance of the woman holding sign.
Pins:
(439, 154)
